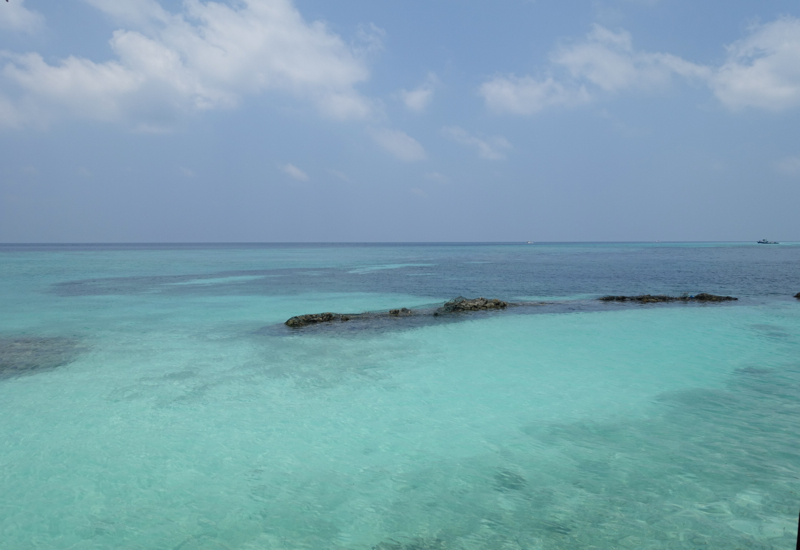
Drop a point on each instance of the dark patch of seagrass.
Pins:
(33, 354)
(506, 480)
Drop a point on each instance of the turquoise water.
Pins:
(174, 410)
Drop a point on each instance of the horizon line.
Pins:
(140, 243)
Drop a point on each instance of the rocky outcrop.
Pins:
(464, 304)
(659, 298)
(456, 305)
(797, 295)
(703, 297)
(379, 320)
(314, 318)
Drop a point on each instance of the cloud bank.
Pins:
(207, 57)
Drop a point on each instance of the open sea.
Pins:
(151, 398)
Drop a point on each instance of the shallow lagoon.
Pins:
(185, 416)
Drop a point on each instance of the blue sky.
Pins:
(364, 120)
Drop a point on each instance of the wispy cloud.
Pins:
(341, 175)
(294, 172)
(761, 72)
(491, 148)
(417, 100)
(604, 62)
(399, 144)
(526, 95)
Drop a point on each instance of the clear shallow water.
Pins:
(184, 416)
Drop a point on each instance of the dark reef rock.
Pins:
(31, 354)
(465, 304)
(314, 318)
(660, 298)
(456, 305)
(797, 295)
(704, 297)
(456, 309)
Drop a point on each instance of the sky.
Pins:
(399, 121)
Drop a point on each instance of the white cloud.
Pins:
(84, 88)
(763, 69)
(417, 99)
(206, 57)
(490, 148)
(789, 166)
(294, 172)
(14, 17)
(399, 144)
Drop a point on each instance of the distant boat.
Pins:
(765, 241)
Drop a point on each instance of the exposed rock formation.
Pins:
(653, 299)
(314, 318)
(797, 295)
(456, 305)
(460, 305)
(464, 304)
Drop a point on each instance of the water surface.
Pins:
(163, 405)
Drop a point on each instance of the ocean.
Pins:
(152, 398)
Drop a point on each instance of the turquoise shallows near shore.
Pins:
(158, 406)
